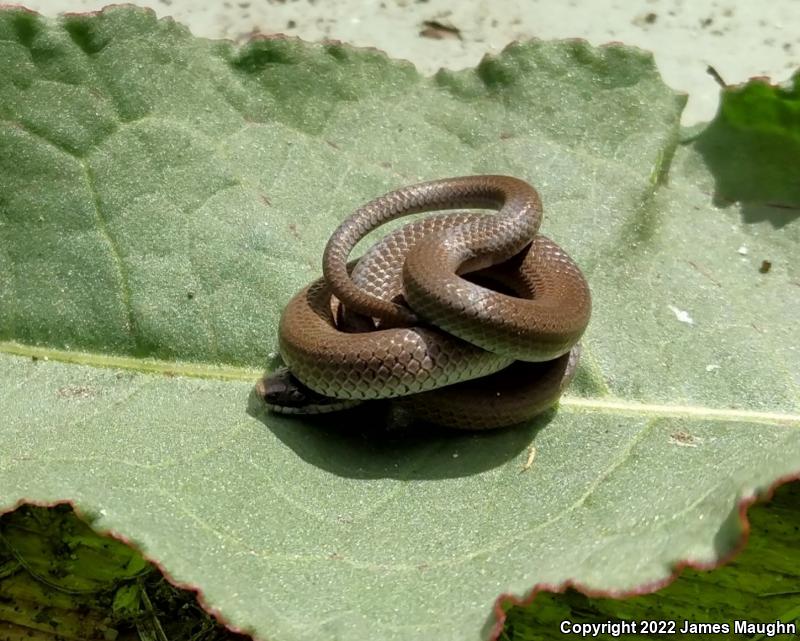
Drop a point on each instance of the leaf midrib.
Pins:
(576, 404)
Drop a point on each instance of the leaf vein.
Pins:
(116, 255)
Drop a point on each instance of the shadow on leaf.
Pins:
(377, 440)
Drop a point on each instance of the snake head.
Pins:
(285, 394)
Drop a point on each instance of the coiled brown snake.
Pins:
(417, 320)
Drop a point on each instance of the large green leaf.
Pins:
(161, 198)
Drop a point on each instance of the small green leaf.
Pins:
(127, 601)
(752, 147)
(62, 551)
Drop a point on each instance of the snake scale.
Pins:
(471, 319)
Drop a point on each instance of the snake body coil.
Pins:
(417, 319)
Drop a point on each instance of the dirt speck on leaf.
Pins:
(76, 391)
(683, 439)
(646, 19)
(439, 31)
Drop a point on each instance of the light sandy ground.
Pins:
(739, 39)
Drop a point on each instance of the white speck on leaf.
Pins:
(529, 460)
(681, 315)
